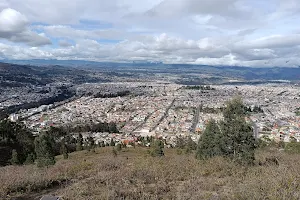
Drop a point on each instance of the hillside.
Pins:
(133, 174)
(14, 75)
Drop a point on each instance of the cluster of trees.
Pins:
(112, 95)
(19, 146)
(185, 144)
(110, 127)
(232, 137)
(101, 127)
(211, 110)
(15, 136)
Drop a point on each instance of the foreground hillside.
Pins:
(134, 174)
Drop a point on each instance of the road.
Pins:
(196, 119)
(164, 116)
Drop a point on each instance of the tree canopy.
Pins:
(232, 137)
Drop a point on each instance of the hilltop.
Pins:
(134, 174)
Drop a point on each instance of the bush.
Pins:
(29, 159)
(157, 148)
(14, 157)
(119, 147)
(293, 147)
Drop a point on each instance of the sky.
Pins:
(258, 33)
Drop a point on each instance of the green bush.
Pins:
(293, 147)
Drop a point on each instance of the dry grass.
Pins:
(135, 175)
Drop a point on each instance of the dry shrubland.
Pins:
(134, 174)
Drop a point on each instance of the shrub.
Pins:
(14, 157)
(293, 147)
(157, 148)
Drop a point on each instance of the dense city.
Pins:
(167, 110)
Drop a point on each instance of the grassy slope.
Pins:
(135, 175)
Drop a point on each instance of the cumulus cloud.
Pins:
(15, 27)
(215, 32)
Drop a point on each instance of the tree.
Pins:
(29, 159)
(64, 149)
(180, 143)
(79, 143)
(209, 144)
(157, 148)
(14, 135)
(238, 141)
(233, 138)
(112, 142)
(44, 149)
(119, 147)
(14, 158)
(190, 145)
(90, 144)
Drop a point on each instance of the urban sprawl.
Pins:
(167, 110)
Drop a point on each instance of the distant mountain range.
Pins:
(183, 72)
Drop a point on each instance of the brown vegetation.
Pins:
(134, 174)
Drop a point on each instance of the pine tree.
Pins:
(44, 149)
(233, 138)
(238, 140)
(79, 143)
(191, 144)
(14, 157)
(157, 148)
(64, 149)
(29, 159)
(209, 143)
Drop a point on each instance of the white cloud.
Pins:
(15, 27)
(12, 22)
(217, 32)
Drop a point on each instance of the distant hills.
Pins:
(183, 72)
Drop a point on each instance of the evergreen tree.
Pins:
(157, 148)
(180, 143)
(191, 144)
(14, 157)
(29, 159)
(209, 144)
(112, 143)
(90, 144)
(79, 143)
(44, 149)
(15, 135)
(64, 149)
(238, 141)
(233, 138)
